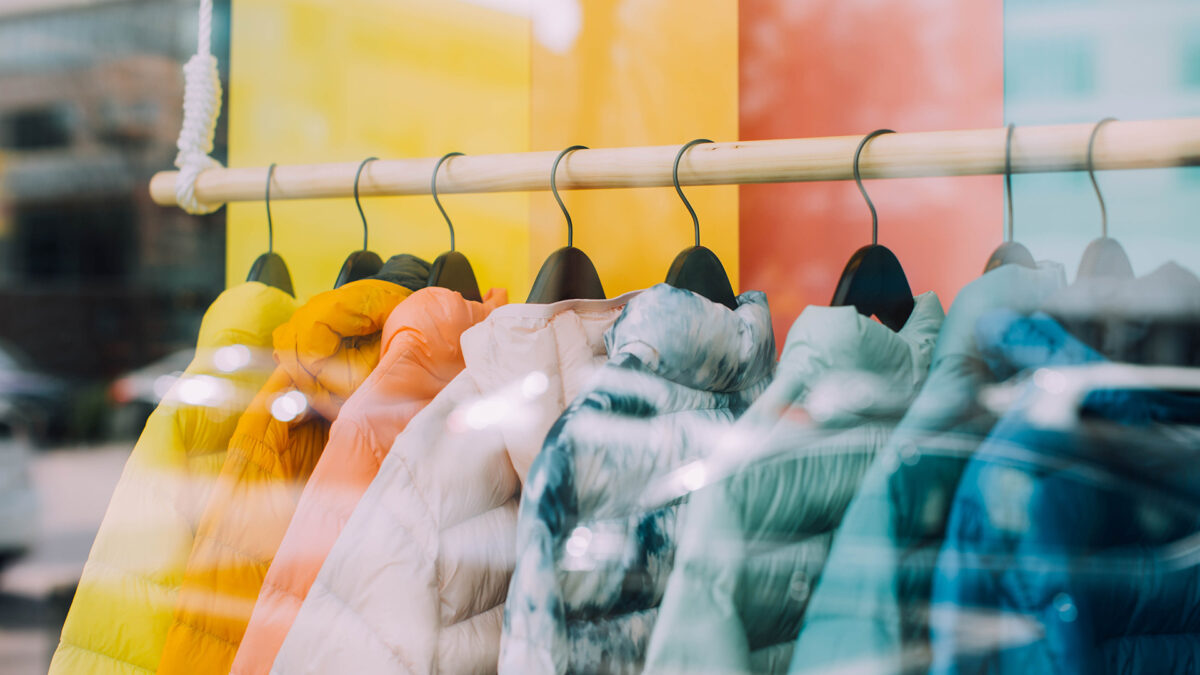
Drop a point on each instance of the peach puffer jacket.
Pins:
(420, 355)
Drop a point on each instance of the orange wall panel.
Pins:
(840, 67)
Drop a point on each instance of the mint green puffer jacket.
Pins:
(870, 610)
(753, 545)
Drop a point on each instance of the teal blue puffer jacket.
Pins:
(753, 546)
(592, 563)
(870, 610)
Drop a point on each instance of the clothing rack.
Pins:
(1035, 149)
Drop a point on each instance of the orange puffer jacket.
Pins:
(420, 355)
(325, 352)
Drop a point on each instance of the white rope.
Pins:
(201, 108)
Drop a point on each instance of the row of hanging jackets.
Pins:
(425, 483)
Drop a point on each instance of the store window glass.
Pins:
(1190, 62)
(1059, 66)
(1084, 62)
(300, 434)
(98, 286)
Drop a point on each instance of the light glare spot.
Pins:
(534, 384)
(231, 358)
(486, 413)
(1051, 381)
(693, 477)
(163, 384)
(1066, 608)
(198, 390)
(577, 543)
(289, 406)
(557, 23)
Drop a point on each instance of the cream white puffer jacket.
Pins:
(417, 579)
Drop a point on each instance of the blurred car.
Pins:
(137, 393)
(40, 403)
(18, 502)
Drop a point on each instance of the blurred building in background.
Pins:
(94, 278)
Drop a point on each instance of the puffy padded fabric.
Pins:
(324, 352)
(126, 598)
(419, 356)
(870, 608)
(753, 546)
(416, 581)
(1062, 553)
(592, 562)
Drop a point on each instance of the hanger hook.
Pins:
(267, 200)
(358, 203)
(858, 180)
(1091, 169)
(1008, 191)
(675, 179)
(554, 189)
(433, 191)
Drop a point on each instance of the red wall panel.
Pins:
(839, 67)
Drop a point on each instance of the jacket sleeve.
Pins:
(854, 613)
(242, 526)
(535, 633)
(753, 548)
(699, 627)
(592, 564)
(380, 602)
(350, 459)
(871, 606)
(1000, 605)
(420, 358)
(125, 598)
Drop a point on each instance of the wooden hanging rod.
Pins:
(1119, 145)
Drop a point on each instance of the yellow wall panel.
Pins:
(341, 80)
(638, 72)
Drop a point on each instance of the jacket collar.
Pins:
(496, 350)
(841, 363)
(331, 344)
(1015, 287)
(1166, 294)
(433, 306)
(528, 361)
(687, 339)
(245, 314)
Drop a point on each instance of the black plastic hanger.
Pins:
(873, 280)
(568, 273)
(1009, 252)
(364, 263)
(269, 268)
(1104, 257)
(698, 269)
(451, 269)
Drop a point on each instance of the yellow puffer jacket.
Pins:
(324, 352)
(126, 598)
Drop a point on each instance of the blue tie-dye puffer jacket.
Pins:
(591, 565)
(1071, 544)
